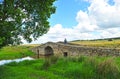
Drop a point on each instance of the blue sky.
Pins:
(66, 12)
(83, 20)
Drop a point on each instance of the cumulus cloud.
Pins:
(109, 33)
(100, 20)
(104, 14)
(59, 33)
(84, 22)
(101, 17)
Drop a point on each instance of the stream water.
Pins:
(2, 62)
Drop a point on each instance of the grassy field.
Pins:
(83, 67)
(99, 43)
(63, 68)
(12, 52)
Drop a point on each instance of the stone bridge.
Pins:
(60, 49)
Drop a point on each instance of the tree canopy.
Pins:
(26, 19)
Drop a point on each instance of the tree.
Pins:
(26, 19)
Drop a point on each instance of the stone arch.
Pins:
(48, 51)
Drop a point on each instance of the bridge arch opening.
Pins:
(48, 51)
(65, 54)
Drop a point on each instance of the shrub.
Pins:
(110, 40)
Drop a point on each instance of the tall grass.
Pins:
(63, 68)
(49, 61)
(108, 69)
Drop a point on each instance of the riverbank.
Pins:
(63, 68)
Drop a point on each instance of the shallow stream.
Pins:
(2, 62)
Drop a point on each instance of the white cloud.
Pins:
(58, 33)
(100, 14)
(111, 32)
(100, 17)
(105, 15)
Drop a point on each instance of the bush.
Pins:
(110, 40)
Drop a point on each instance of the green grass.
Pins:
(12, 52)
(83, 67)
(63, 68)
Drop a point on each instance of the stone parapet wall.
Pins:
(75, 50)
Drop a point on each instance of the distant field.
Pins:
(31, 45)
(99, 43)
